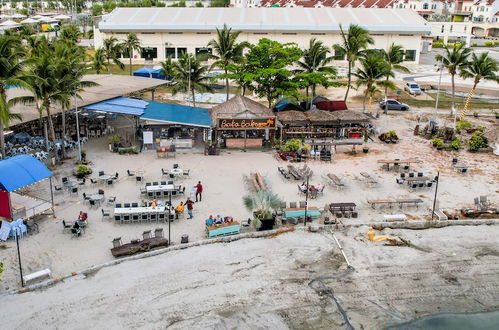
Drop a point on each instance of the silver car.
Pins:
(393, 105)
(412, 88)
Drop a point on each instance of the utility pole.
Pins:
(306, 203)
(19, 255)
(169, 215)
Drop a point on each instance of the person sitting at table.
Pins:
(218, 220)
(209, 221)
(76, 228)
(312, 188)
(154, 203)
(179, 209)
(319, 186)
(161, 203)
(303, 187)
(82, 216)
(228, 219)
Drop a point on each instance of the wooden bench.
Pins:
(36, 275)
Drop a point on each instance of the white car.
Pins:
(412, 88)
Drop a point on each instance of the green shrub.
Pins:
(489, 43)
(438, 44)
(450, 45)
(126, 151)
(474, 44)
(462, 124)
(477, 141)
(496, 43)
(391, 135)
(292, 145)
(82, 170)
(437, 142)
(455, 144)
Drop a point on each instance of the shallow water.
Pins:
(448, 321)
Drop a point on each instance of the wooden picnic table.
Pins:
(140, 246)
(224, 229)
(373, 202)
(342, 207)
(414, 201)
(370, 181)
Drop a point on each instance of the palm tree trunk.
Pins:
(131, 55)
(306, 92)
(385, 111)
(226, 85)
(2, 140)
(193, 97)
(466, 103)
(243, 89)
(50, 122)
(108, 66)
(349, 80)
(365, 98)
(453, 93)
(63, 131)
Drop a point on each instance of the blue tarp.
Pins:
(149, 73)
(179, 114)
(22, 170)
(121, 105)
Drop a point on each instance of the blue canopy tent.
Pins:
(149, 73)
(18, 172)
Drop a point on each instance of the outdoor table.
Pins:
(414, 201)
(141, 210)
(300, 212)
(104, 177)
(370, 181)
(176, 171)
(96, 197)
(342, 207)
(70, 184)
(373, 202)
(160, 188)
(460, 165)
(294, 172)
(410, 180)
(224, 229)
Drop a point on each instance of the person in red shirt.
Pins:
(189, 204)
(199, 191)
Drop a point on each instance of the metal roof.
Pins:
(122, 105)
(381, 20)
(177, 114)
(22, 170)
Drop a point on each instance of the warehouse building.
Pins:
(165, 32)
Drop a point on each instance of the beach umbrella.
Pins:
(62, 17)
(10, 23)
(29, 21)
(16, 15)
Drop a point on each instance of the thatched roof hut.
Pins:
(292, 117)
(320, 117)
(350, 116)
(240, 107)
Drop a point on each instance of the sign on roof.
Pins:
(247, 123)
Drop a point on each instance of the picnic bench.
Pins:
(36, 275)
(375, 202)
(294, 172)
(390, 202)
(224, 229)
(396, 162)
(137, 246)
(370, 181)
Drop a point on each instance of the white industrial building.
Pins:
(165, 32)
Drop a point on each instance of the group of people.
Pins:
(80, 223)
(218, 220)
(311, 188)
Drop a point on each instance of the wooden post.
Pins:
(52, 196)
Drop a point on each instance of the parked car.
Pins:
(393, 105)
(412, 88)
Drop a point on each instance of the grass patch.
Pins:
(445, 102)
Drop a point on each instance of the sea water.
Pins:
(449, 321)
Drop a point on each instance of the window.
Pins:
(174, 32)
(406, 35)
(410, 55)
(289, 33)
(149, 53)
(451, 27)
(433, 6)
(442, 30)
(202, 53)
(203, 32)
(148, 33)
(170, 52)
(465, 28)
(260, 33)
(425, 6)
(318, 34)
(339, 55)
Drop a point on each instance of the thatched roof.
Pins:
(350, 116)
(320, 117)
(239, 106)
(292, 117)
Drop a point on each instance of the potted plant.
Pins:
(393, 136)
(81, 171)
(366, 138)
(263, 204)
(114, 142)
(438, 143)
(475, 114)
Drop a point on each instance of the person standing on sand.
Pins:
(189, 204)
(199, 191)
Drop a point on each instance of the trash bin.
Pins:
(184, 239)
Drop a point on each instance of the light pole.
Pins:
(306, 203)
(77, 129)
(19, 255)
(438, 93)
(435, 198)
(169, 215)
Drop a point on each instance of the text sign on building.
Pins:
(246, 123)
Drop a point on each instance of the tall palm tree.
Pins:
(98, 60)
(11, 67)
(315, 59)
(454, 60)
(227, 51)
(112, 52)
(355, 41)
(167, 68)
(394, 56)
(191, 76)
(372, 72)
(70, 33)
(482, 67)
(130, 44)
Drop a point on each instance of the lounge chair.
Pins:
(158, 233)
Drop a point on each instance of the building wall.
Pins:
(192, 40)
(453, 30)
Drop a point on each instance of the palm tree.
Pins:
(112, 52)
(70, 34)
(394, 56)
(191, 76)
(10, 68)
(354, 43)
(98, 60)
(227, 51)
(167, 68)
(315, 60)
(372, 71)
(454, 60)
(130, 44)
(263, 204)
(480, 67)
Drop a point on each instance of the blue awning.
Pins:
(177, 114)
(122, 105)
(22, 170)
(149, 73)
